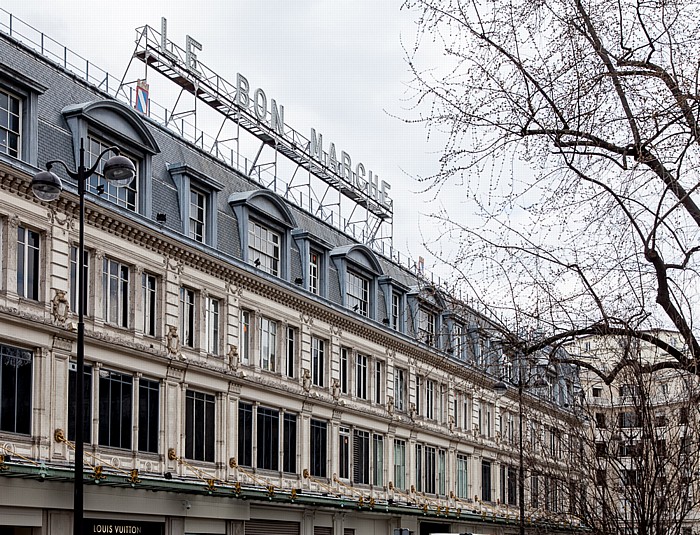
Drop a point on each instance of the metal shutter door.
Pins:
(271, 527)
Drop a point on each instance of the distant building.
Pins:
(250, 369)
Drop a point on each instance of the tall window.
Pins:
(116, 391)
(115, 292)
(198, 215)
(513, 485)
(344, 370)
(74, 278)
(289, 456)
(395, 311)
(486, 481)
(187, 316)
(419, 393)
(317, 361)
(378, 381)
(126, 196)
(149, 415)
(426, 326)
(441, 482)
(291, 352)
(361, 376)
(10, 129)
(378, 460)
(264, 248)
(212, 326)
(430, 399)
(268, 438)
(245, 434)
(87, 401)
(150, 302)
(419, 467)
(314, 271)
(268, 344)
(462, 476)
(318, 448)
(344, 453)
(360, 457)
(457, 337)
(357, 293)
(244, 337)
(15, 389)
(199, 426)
(430, 470)
(400, 390)
(400, 464)
(27, 263)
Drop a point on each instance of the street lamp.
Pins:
(119, 171)
(500, 388)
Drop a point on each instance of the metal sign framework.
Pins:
(313, 185)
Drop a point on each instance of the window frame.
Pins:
(149, 304)
(318, 362)
(212, 325)
(267, 344)
(196, 430)
(115, 391)
(188, 316)
(122, 307)
(29, 259)
(19, 413)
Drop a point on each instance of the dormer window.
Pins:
(10, 114)
(264, 223)
(313, 253)
(198, 214)
(426, 307)
(102, 124)
(264, 248)
(314, 271)
(358, 271)
(97, 185)
(357, 293)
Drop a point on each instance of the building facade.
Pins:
(249, 368)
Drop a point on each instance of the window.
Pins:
(360, 457)
(264, 248)
(361, 376)
(430, 470)
(15, 389)
(115, 392)
(419, 382)
(400, 393)
(462, 476)
(426, 326)
(268, 438)
(441, 487)
(395, 311)
(198, 215)
(28, 263)
(378, 460)
(289, 456)
(10, 129)
(457, 340)
(317, 361)
(149, 288)
(344, 453)
(400, 464)
(419, 468)
(149, 411)
(187, 316)
(212, 326)
(486, 481)
(115, 292)
(74, 279)
(199, 426)
(627, 420)
(96, 183)
(378, 382)
(318, 448)
(357, 293)
(268, 344)
(87, 401)
(535, 488)
(600, 420)
(244, 337)
(343, 372)
(466, 413)
(597, 392)
(245, 434)
(512, 496)
(314, 271)
(430, 399)
(291, 352)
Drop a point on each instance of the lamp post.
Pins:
(501, 388)
(119, 171)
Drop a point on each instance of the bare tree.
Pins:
(597, 231)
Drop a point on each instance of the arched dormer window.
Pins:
(264, 225)
(104, 123)
(358, 270)
(426, 308)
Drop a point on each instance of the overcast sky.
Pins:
(337, 66)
